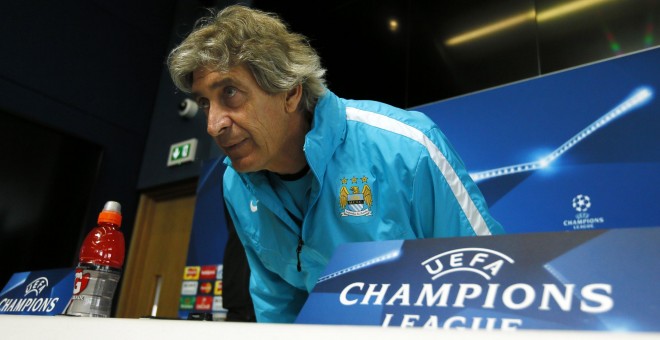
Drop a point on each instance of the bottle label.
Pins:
(93, 290)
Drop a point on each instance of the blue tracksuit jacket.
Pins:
(380, 173)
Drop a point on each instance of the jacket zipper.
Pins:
(298, 251)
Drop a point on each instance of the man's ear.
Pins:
(293, 98)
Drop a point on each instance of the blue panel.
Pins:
(202, 293)
(209, 231)
(44, 292)
(604, 280)
(573, 150)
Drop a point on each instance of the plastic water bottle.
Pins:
(98, 272)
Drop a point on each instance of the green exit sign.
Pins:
(182, 152)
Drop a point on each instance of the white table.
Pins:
(18, 327)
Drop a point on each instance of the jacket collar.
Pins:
(328, 131)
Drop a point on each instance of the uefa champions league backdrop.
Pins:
(573, 150)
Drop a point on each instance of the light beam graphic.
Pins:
(383, 258)
(637, 99)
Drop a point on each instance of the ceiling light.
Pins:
(546, 15)
(394, 25)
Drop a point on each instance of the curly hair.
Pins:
(278, 59)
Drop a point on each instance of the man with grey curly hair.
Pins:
(307, 170)
(279, 60)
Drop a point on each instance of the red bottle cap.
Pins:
(110, 217)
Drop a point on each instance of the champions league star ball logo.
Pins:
(581, 203)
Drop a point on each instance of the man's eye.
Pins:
(203, 104)
(230, 91)
(232, 97)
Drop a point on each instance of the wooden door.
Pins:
(157, 254)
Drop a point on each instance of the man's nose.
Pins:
(217, 121)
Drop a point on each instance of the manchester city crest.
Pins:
(355, 197)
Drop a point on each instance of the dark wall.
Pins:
(43, 199)
(167, 127)
(417, 62)
(86, 72)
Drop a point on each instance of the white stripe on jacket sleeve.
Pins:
(460, 192)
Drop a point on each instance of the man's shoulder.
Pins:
(380, 112)
(404, 128)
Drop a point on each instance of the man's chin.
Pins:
(242, 165)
